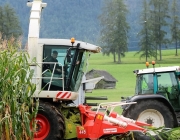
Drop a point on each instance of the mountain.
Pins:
(76, 18)
(63, 18)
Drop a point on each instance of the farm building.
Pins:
(109, 82)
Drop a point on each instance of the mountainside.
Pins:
(63, 18)
(69, 18)
(75, 18)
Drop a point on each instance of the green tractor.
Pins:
(157, 94)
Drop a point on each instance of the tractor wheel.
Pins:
(152, 112)
(49, 123)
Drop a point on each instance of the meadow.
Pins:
(123, 72)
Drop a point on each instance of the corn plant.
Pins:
(163, 133)
(16, 105)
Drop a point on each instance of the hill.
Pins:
(79, 19)
(63, 18)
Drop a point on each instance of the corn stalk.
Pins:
(16, 90)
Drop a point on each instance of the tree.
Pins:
(1, 20)
(146, 46)
(107, 24)
(175, 25)
(9, 23)
(159, 14)
(120, 34)
(114, 28)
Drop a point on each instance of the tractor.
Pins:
(157, 94)
(63, 113)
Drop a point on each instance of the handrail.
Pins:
(112, 105)
(52, 74)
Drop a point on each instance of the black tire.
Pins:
(50, 123)
(147, 105)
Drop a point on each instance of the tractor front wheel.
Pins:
(152, 112)
(49, 123)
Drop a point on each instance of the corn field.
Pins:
(16, 105)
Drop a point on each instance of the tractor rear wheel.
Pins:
(49, 123)
(153, 112)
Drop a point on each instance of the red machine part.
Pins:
(98, 124)
(42, 127)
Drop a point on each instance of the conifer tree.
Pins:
(9, 23)
(114, 28)
(145, 44)
(175, 31)
(107, 25)
(159, 14)
(1, 20)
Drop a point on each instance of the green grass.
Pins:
(124, 72)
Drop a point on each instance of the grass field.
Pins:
(124, 72)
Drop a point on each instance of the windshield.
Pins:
(53, 68)
(63, 67)
(75, 69)
(144, 84)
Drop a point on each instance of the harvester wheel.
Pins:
(49, 123)
(153, 112)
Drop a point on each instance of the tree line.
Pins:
(158, 25)
(155, 19)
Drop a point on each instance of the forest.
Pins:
(79, 19)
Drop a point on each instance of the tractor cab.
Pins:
(163, 81)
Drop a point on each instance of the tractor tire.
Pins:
(153, 112)
(50, 123)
